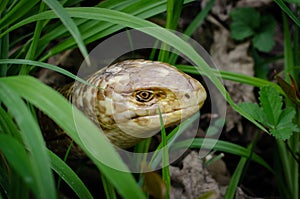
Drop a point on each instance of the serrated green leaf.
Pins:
(282, 133)
(244, 22)
(271, 103)
(287, 116)
(255, 111)
(270, 114)
(285, 127)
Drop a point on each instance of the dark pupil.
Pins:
(144, 96)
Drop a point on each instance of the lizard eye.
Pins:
(144, 96)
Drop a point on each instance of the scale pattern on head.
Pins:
(127, 96)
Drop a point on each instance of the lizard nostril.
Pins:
(187, 96)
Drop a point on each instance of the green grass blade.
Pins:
(16, 12)
(17, 157)
(232, 76)
(231, 189)
(43, 65)
(199, 19)
(193, 26)
(289, 67)
(3, 7)
(7, 124)
(69, 24)
(224, 147)
(286, 9)
(116, 4)
(69, 176)
(290, 165)
(101, 29)
(174, 8)
(33, 140)
(4, 51)
(62, 112)
(34, 44)
(172, 136)
(108, 188)
(165, 156)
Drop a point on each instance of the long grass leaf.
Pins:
(4, 50)
(34, 43)
(69, 176)
(199, 19)
(7, 124)
(94, 144)
(17, 157)
(193, 26)
(33, 140)
(20, 9)
(223, 146)
(165, 155)
(231, 189)
(286, 9)
(101, 29)
(232, 76)
(69, 24)
(43, 65)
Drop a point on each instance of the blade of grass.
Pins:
(288, 163)
(199, 19)
(3, 6)
(17, 157)
(286, 9)
(34, 44)
(108, 188)
(4, 49)
(290, 59)
(224, 147)
(101, 29)
(231, 189)
(165, 155)
(7, 124)
(240, 171)
(193, 26)
(69, 176)
(289, 67)
(61, 111)
(174, 8)
(33, 140)
(69, 24)
(171, 138)
(16, 12)
(232, 76)
(43, 65)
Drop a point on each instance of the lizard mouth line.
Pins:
(185, 112)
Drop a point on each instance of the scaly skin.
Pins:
(125, 98)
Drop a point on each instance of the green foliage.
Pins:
(21, 139)
(270, 113)
(247, 22)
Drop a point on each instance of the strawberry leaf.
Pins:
(270, 113)
(255, 111)
(271, 103)
(285, 127)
